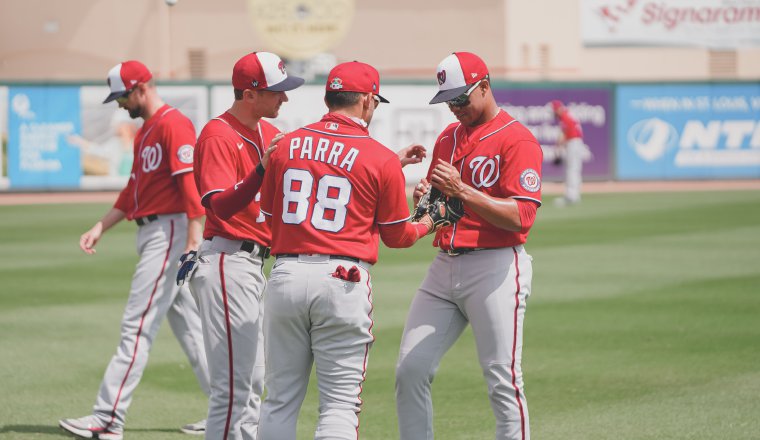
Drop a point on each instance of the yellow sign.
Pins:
(300, 29)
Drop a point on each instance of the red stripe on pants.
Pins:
(514, 347)
(229, 346)
(139, 329)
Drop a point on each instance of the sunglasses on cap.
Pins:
(463, 99)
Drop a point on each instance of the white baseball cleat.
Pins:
(197, 428)
(91, 427)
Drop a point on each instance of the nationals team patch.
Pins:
(530, 181)
(336, 84)
(185, 154)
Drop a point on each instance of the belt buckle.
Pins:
(453, 253)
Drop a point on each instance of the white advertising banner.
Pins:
(406, 120)
(719, 24)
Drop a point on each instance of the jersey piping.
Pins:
(395, 221)
(461, 168)
(142, 144)
(255, 146)
(335, 134)
(182, 171)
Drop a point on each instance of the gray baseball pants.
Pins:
(488, 290)
(153, 295)
(228, 285)
(314, 318)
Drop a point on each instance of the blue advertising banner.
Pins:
(40, 123)
(709, 131)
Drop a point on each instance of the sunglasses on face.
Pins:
(123, 98)
(377, 100)
(463, 99)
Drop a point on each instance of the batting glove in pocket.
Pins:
(187, 264)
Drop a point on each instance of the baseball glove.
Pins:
(439, 209)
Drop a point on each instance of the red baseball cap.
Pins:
(123, 77)
(456, 73)
(354, 77)
(263, 71)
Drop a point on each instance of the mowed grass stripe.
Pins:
(642, 325)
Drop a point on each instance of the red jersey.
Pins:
(570, 126)
(226, 152)
(163, 149)
(328, 187)
(500, 158)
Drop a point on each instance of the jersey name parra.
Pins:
(328, 151)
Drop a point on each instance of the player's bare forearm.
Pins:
(89, 239)
(502, 213)
(112, 217)
(194, 234)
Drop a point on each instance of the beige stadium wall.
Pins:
(521, 40)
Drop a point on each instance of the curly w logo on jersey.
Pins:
(485, 171)
(151, 156)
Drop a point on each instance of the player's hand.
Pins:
(447, 179)
(89, 239)
(271, 148)
(412, 154)
(420, 190)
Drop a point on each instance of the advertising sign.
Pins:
(406, 120)
(592, 108)
(709, 131)
(106, 139)
(703, 23)
(41, 121)
(3, 134)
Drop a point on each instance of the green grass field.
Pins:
(644, 323)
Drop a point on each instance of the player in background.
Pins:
(330, 193)
(229, 280)
(482, 274)
(573, 150)
(161, 197)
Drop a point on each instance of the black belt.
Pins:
(142, 221)
(459, 251)
(332, 257)
(250, 246)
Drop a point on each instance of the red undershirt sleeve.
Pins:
(229, 202)
(527, 214)
(402, 235)
(190, 199)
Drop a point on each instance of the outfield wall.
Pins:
(60, 137)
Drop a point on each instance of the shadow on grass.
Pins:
(58, 431)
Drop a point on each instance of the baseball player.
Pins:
(575, 151)
(482, 274)
(229, 281)
(330, 192)
(161, 197)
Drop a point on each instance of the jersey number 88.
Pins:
(333, 194)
